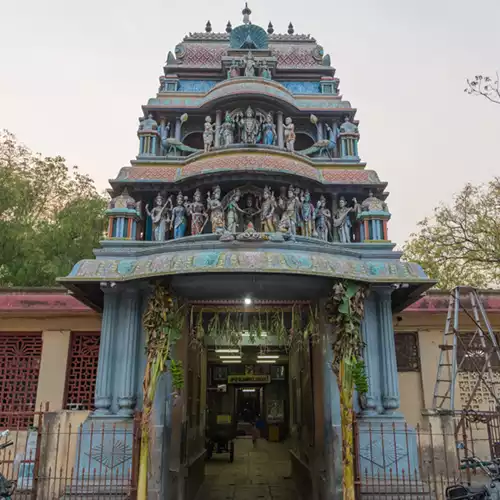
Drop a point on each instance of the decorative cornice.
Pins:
(248, 86)
(274, 259)
(248, 160)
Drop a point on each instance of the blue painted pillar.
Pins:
(129, 329)
(280, 129)
(369, 328)
(103, 390)
(332, 419)
(389, 371)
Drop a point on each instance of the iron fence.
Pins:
(397, 461)
(62, 456)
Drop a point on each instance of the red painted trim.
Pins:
(41, 302)
(439, 303)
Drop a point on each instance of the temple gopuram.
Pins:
(249, 200)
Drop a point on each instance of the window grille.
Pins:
(407, 352)
(82, 370)
(20, 358)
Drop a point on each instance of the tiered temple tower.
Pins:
(247, 182)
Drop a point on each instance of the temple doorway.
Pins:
(248, 422)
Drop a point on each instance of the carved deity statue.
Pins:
(208, 134)
(160, 217)
(269, 130)
(249, 65)
(323, 216)
(198, 215)
(348, 127)
(179, 218)
(234, 70)
(233, 209)
(268, 216)
(307, 215)
(250, 211)
(289, 132)
(342, 221)
(250, 127)
(216, 210)
(264, 71)
(227, 130)
(291, 209)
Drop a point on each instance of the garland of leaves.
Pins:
(345, 310)
(163, 322)
(227, 327)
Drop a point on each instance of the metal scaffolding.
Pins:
(477, 349)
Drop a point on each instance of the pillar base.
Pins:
(104, 454)
(387, 449)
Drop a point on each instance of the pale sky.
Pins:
(74, 74)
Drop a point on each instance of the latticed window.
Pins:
(473, 353)
(20, 358)
(82, 370)
(407, 355)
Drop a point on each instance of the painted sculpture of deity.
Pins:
(264, 71)
(227, 130)
(269, 130)
(208, 134)
(322, 218)
(234, 70)
(160, 217)
(289, 132)
(250, 211)
(179, 218)
(268, 215)
(291, 210)
(307, 215)
(342, 221)
(198, 215)
(250, 127)
(249, 65)
(216, 210)
(233, 209)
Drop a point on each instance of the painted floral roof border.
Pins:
(246, 260)
(248, 162)
(249, 86)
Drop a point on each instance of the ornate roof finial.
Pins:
(229, 27)
(290, 29)
(246, 14)
(270, 28)
(208, 27)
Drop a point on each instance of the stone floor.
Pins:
(260, 472)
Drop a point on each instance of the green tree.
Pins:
(460, 244)
(51, 216)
